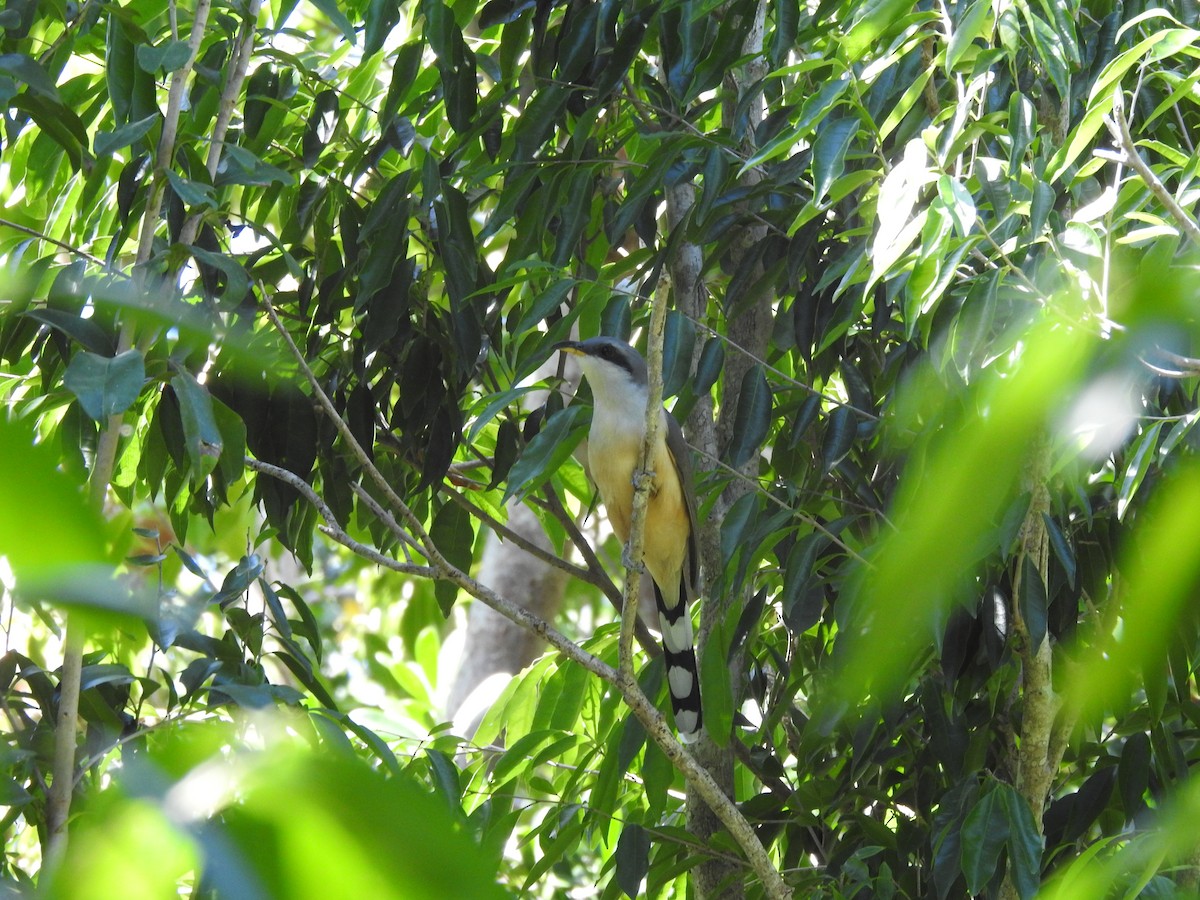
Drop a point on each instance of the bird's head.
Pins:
(612, 367)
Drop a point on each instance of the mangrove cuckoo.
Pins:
(617, 375)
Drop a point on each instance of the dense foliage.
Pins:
(932, 331)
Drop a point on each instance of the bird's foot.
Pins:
(627, 560)
(644, 476)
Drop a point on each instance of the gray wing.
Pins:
(682, 455)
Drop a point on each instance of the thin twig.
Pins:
(61, 245)
(1118, 126)
(643, 481)
(519, 540)
(230, 92)
(170, 129)
(331, 528)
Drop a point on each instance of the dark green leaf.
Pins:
(1024, 842)
(1039, 208)
(1033, 602)
(840, 429)
(202, 437)
(632, 858)
(1062, 549)
(1133, 774)
(86, 332)
(712, 360)
(322, 122)
(382, 16)
(801, 601)
(104, 386)
(544, 304)
(736, 526)
(453, 533)
(984, 834)
(679, 337)
(61, 124)
(752, 419)
(109, 142)
(29, 71)
(191, 192)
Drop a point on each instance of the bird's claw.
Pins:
(627, 560)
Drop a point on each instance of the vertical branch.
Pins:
(749, 327)
(643, 480)
(170, 130)
(58, 800)
(1037, 755)
(228, 103)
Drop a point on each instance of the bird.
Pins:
(617, 375)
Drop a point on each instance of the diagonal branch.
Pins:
(656, 725)
(1118, 127)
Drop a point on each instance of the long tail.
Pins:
(683, 678)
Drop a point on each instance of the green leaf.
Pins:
(970, 26)
(959, 203)
(753, 417)
(167, 57)
(736, 525)
(237, 280)
(632, 858)
(322, 123)
(453, 533)
(238, 579)
(716, 688)
(815, 108)
(1025, 844)
(191, 192)
(801, 601)
(1039, 208)
(679, 338)
(899, 194)
(544, 304)
(546, 452)
(61, 124)
(1062, 549)
(85, 332)
(105, 386)
(840, 430)
(712, 360)
(202, 437)
(1133, 774)
(1033, 602)
(29, 71)
(382, 16)
(984, 834)
(875, 18)
(829, 154)
(109, 142)
(1145, 450)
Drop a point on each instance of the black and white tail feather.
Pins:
(683, 678)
